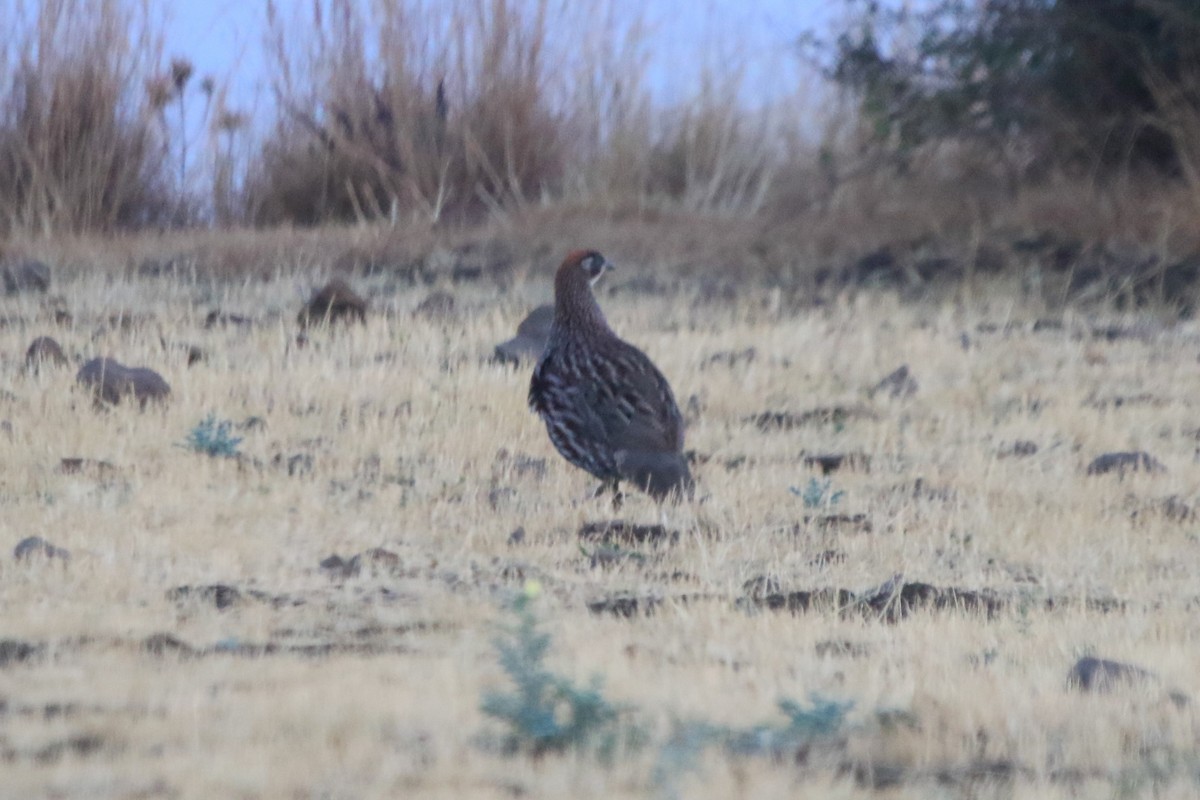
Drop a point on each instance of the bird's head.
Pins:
(575, 306)
(591, 263)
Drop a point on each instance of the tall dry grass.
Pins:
(412, 109)
(81, 145)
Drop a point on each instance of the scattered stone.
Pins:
(44, 351)
(729, 358)
(608, 555)
(339, 567)
(35, 547)
(334, 302)
(626, 533)
(832, 462)
(530, 340)
(898, 383)
(1047, 324)
(1136, 461)
(520, 465)
(82, 744)
(466, 273)
(63, 318)
(625, 606)
(26, 276)
(297, 464)
(76, 466)
(890, 602)
(768, 421)
(516, 537)
(161, 644)
(221, 319)
(15, 651)
(848, 523)
(826, 558)
(220, 595)
(843, 648)
(1101, 675)
(376, 561)
(1018, 449)
(437, 306)
(110, 381)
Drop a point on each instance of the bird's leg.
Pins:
(613, 486)
(618, 497)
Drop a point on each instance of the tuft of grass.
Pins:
(212, 437)
(818, 493)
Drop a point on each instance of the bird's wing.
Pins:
(637, 408)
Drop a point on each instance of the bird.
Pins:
(607, 408)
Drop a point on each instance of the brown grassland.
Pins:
(775, 262)
(402, 435)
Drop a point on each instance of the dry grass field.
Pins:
(125, 672)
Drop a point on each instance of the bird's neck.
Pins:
(576, 311)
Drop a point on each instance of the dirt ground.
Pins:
(952, 568)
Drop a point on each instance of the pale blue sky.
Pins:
(224, 37)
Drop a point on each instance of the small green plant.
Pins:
(548, 713)
(211, 437)
(818, 494)
(821, 720)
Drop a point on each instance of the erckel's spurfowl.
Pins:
(607, 408)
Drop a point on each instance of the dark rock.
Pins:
(1046, 324)
(466, 273)
(516, 537)
(1120, 463)
(376, 561)
(297, 464)
(339, 567)
(82, 744)
(221, 319)
(438, 305)
(730, 358)
(832, 462)
(161, 644)
(334, 302)
(1101, 675)
(35, 547)
(110, 381)
(843, 648)
(520, 465)
(1018, 449)
(786, 420)
(849, 523)
(879, 266)
(44, 351)
(607, 555)
(26, 276)
(78, 466)
(15, 651)
(827, 557)
(938, 267)
(626, 533)
(220, 595)
(891, 602)
(898, 383)
(530, 340)
(625, 606)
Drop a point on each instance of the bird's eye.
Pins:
(593, 264)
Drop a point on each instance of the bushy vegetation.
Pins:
(944, 123)
(213, 438)
(1097, 84)
(547, 713)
